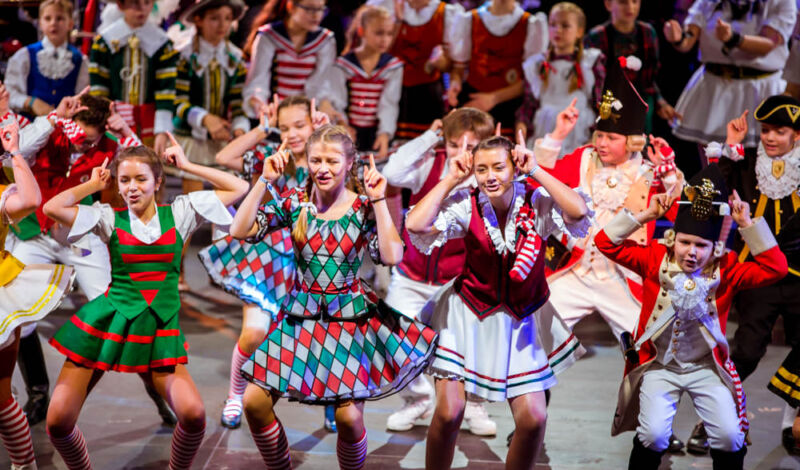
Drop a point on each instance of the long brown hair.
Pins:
(327, 134)
(142, 153)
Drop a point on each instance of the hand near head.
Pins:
(374, 181)
(71, 105)
(566, 120)
(740, 210)
(5, 96)
(656, 150)
(460, 166)
(659, 205)
(523, 158)
(436, 125)
(116, 124)
(275, 164)
(737, 129)
(101, 177)
(174, 154)
(318, 118)
(9, 135)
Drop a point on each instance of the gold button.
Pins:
(643, 196)
(660, 307)
(611, 182)
(663, 293)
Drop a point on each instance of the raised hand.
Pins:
(524, 159)
(659, 204)
(566, 120)
(174, 153)
(374, 181)
(737, 129)
(275, 164)
(498, 129)
(116, 124)
(71, 105)
(460, 166)
(9, 135)
(657, 149)
(5, 96)
(436, 125)
(740, 210)
(723, 30)
(101, 177)
(318, 118)
(672, 31)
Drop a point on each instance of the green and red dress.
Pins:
(134, 327)
(334, 339)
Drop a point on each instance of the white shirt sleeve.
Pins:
(537, 37)
(259, 76)
(325, 59)
(334, 88)
(83, 75)
(781, 17)
(33, 137)
(389, 102)
(460, 37)
(194, 117)
(191, 210)
(16, 80)
(699, 13)
(792, 71)
(411, 164)
(452, 11)
(451, 222)
(550, 218)
(97, 219)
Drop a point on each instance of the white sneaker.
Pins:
(478, 421)
(414, 409)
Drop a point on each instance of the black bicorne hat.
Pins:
(621, 109)
(780, 110)
(704, 205)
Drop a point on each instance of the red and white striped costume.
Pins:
(369, 99)
(277, 67)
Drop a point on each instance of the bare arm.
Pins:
(389, 242)
(244, 222)
(28, 196)
(63, 207)
(682, 40)
(231, 156)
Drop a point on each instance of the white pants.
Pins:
(408, 296)
(577, 297)
(658, 401)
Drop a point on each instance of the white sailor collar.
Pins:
(502, 244)
(502, 24)
(151, 37)
(200, 52)
(784, 184)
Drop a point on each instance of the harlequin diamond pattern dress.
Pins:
(335, 340)
(258, 273)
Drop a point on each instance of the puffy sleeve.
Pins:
(410, 165)
(191, 210)
(389, 103)
(275, 215)
(334, 89)
(259, 76)
(699, 13)
(460, 38)
(550, 218)
(97, 219)
(537, 38)
(16, 80)
(782, 16)
(451, 222)
(325, 59)
(34, 137)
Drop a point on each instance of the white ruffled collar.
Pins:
(151, 37)
(55, 62)
(421, 16)
(768, 184)
(689, 295)
(502, 244)
(611, 184)
(499, 25)
(226, 54)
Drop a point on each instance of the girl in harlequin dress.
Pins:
(27, 293)
(500, 301)
(134, 326)
(336, 343)
(261, 273)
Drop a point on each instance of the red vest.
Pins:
(444, 263)
(414, 45)
(485, 284)
(496, 61)
(54, 173)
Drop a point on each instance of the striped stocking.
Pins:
(528, 250)
(16, 434)
(73, 450)
(352, 456)
(273, 446)
(238, 383)
(184, 447)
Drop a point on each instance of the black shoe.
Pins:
(698, 441)
(787, 439)
(643, 458)
(722, 460)
(675, 445)
(509, 438)
(168, 417)
(36, 407)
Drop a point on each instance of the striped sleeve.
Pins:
(182, 86)
(165, 63)
(99, 60)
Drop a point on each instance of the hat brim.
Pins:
(187, 17)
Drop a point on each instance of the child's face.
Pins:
(307, 14)
(295, 126)
(623, 10)
(778, 140)
(328, 166)
(453, 143)
(494, 171)
(136, 12)
(692, 252)
(137, 184)
(55, 23)
(215, 25)
(378, 34)
(564, 30)
(611, 147)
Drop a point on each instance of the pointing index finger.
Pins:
(573, 103)
(520, 138)
(372, 161)
(104, 165)
(172, 138)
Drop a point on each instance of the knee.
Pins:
(654, 439)
(532, 422)
(60, 421)
(257, 405)
(450, 412)
(193, 417)
(350, 423)
(250, 339)
(727, 440)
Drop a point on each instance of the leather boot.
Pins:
(723, 460)
(643, 458)
(34, 373)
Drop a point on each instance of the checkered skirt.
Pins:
(322, 362)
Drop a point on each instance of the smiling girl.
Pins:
(134, 326)
(499, 302)
(336, 343)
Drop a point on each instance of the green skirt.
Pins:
(99, 337)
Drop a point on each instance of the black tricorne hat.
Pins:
(621, 109)
(200, 6)
(780, 110)
(701, 211)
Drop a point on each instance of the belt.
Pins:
(736, 72)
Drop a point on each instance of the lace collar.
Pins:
(788, 178)
(502, 244)
(55, 62)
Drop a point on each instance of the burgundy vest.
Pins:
(485, 284)
(444, 263)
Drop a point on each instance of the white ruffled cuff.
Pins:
(621, 226)
(576, 228)
(207, 205)
(758, 236)
(426, 242)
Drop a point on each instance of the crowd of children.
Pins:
(502, 160)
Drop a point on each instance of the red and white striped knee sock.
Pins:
(238, 383)
(273, 446)
(352, 455)
(528, 251)
(73, 450)
(185, 445)
(15, 433)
